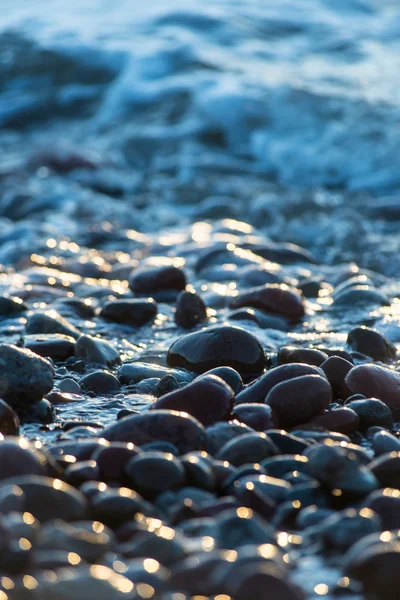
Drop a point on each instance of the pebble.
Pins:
(299, 399)
(257, 416)
(208, 398)
(190, 310)
(50, 322)
(383, 442)
(372, 411)
(336, 369)
(25, 377)
(247, 448)
(377, 382)
(182, 430)
(152, 473)
(371, 343)
(386, 469)
(57, 346)
(136, 371)
(145, 281)
(218, 346)
(100, 382)
(343, 529)
(275, 298)
(221, 433)
(229, 375)
(386, 503)
(9, 421)
(11, 305)
(130, 312)
(69, 386)
(343, 420)
(259, 389)
(97, 351)
(309, 356)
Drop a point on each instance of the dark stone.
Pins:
(257, 416)
(279, 466)
(217, 347)
(377, 382)
(208, 398)
(190, 310)
(97, 351)
(336, 369)
(299, 399)
(137, 371)
(51, 322)
(100, 382)
(9, 421)
(248, 448)
(386, 469)
(116, 506)
(309, 356)
(385, 503)
(185, 432)
(343, 420)
(25, 377)
(47, 499)
(57, 346)
(221, 433)
(229, 375)
(199, 470)
(383, 442)
(18, 457)
(278, 298)
(372, 412)
(360, 295)
(258, 391)
(287, 442)
(79, 472)
(11, 305)
(371, 343)
(130, 312)
(341, 530)
(233, 530)
(153, 279)
(152, 473)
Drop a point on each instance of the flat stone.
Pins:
(57, 346)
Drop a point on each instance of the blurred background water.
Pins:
(287, 112)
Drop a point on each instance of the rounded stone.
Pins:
(97, 351)
(229, 375)
(153, 279)
(371, 343)
(152, 473)
(190, 310)
(182, 430)
(47, 499)
(248, 448)
(257, 416)
(377, 382)
(336, 369)
(386, 469)
(134, 311)
(9, 421)
(25, 377)
(343, 420)
(258, 390)
(372, 411)
(51, 322)
(217, 347)
(57, 346)
(100, 382)
(299, 399)
(221, 433)
(208, 398)
(18, 457)
(274, 297)
(309, 356)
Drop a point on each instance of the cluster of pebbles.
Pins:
(197, 415)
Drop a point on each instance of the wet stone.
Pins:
(149, 280)
(217, 347)
(25, 377)
(152, 473)
(287, 443)
(130, 312)
(57, 346)
(96, 351)
(11, 305)
(336, 369)
(182, 430)
(377, 382)
(309, 356)
(221, 433)
(9, 421)
(386, 469)
(259, 389)
(69, 386)
(190, 310)
(208, 398)
(383, 442)
(50, 322)
(100, 382)
(299, 399)
(371, 343)
(257, 416)
(229, 375)
(341, 530)
(136, 371)
(247, 448)
(344, 420)
(360, 295)
(386, 503)
(275, 298)
(372, 411)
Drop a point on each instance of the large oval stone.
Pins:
(217, 347)
(273, 297)
(24, 376)
(182, 430)
(208, 398)
(378, 382)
